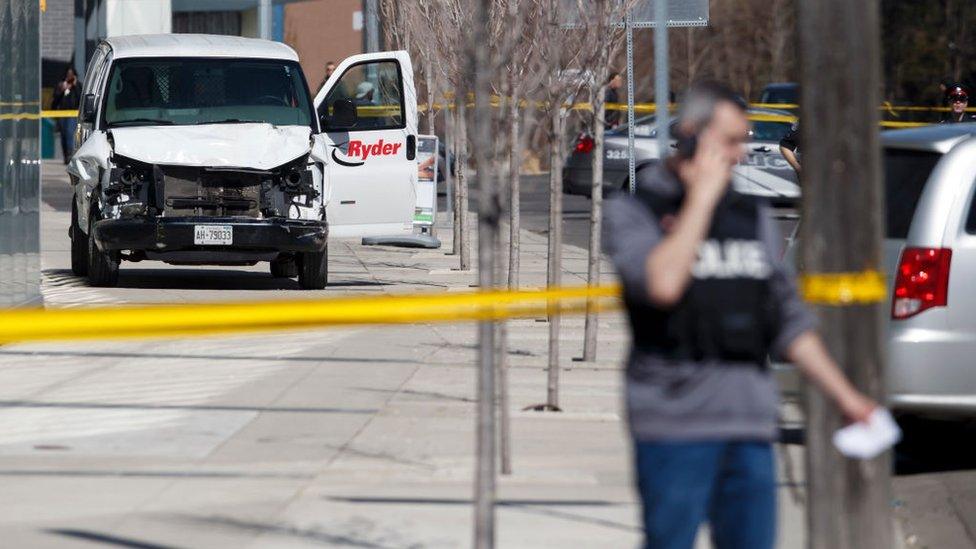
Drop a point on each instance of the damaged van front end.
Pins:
(199, 200)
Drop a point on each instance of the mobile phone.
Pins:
(687, 145)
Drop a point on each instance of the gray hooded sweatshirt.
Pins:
(671, 400)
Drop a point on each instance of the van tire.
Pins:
(79, 244)
(284, 267)
(313, 270)
(103, 267)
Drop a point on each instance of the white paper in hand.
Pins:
(865, 440)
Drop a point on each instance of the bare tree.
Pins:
(445, 24)
(567, 58)
(607, 41)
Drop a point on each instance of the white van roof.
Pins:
(197, 45)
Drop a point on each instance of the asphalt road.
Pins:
(576, 212)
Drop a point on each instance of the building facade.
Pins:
(319, 30)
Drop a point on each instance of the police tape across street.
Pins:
(23, 325)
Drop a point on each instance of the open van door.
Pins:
(367, 112)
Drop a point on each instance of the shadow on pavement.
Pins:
(202, 279)
(107, 539)
(537, 507)
(151, 474)
(183, 407)
(341, 540)
(935, 445)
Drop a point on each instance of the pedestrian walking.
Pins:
(957, 99)
(67, 96)
(709, 301)
(612, 95)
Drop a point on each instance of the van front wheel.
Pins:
(313, 270)
(79, 244)
(103, 267)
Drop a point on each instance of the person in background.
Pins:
(330, 68)
(789, 147)
(957, 99)
(67, 96)
(709, 300)
(612, 95)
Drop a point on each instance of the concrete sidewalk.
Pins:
(348, 437)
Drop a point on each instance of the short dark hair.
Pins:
(702, 98)
(613, 74)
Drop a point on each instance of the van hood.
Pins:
(256, 146)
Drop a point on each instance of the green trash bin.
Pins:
(48, 137)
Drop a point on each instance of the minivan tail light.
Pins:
(584, 143)
(922, 281)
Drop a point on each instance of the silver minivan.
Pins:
(930, 258)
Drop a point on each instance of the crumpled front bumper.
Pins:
(176, 234)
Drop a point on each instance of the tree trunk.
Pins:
(461, 213)
(554, 266)
(456, 145)
(478, 75)
(499, 153)
(849, 500)
(429, 81)
(449, 179)
(514, 190)
(596, 225)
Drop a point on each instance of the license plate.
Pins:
(213, 235)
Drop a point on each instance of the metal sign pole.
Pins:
(661, 85)
(631, 167)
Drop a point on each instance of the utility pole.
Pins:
(264, 19)
(371, 26)
(848, 504)
(478, 73)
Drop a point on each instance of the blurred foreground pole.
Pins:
(371, 25)
(662, 84)
(842, 216)
(264, 19)
(478, 73)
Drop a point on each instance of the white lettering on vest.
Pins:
(731, 259)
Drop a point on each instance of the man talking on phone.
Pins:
(708, 301)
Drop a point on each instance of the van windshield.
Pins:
(906, 172)
(151, 92)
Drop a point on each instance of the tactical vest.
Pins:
(727, 313)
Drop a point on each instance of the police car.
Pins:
(210, 150)
(764, 172)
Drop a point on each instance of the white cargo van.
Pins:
(198, 149)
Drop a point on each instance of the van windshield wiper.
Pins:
(140, 122)
(231, 121)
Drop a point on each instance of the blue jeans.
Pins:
(66, 129)
(730, 484)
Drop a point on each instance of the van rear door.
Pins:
(371, 168)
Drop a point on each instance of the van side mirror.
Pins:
(88, 109)
(343, 117)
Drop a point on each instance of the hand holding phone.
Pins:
(704, 169)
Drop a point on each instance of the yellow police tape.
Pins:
(844, 288)
(22, 325)
(60, 114)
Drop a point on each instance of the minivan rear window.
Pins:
(906, 172)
